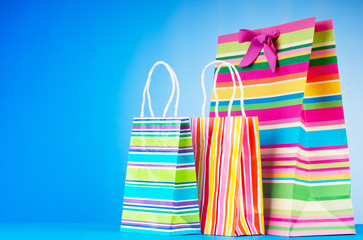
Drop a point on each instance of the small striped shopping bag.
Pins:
(228, 164)
(160, 190)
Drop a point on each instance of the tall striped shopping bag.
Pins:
(228, 164)
(291, 82)
(160, 195)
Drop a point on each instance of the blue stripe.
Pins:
(154, 158)
(304, 181)
(322, 99)
(262, 100)
(307, 139)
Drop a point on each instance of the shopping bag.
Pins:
(293, 86)
(160, 195)
(228, 164)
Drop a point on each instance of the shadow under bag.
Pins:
(160, 190)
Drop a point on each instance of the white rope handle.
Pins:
(233, 71)
(240, 87)
(174, 81)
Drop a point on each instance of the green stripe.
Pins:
(265, 65)
(159, 211)
(306, 193)
(309, 228)
(324, 36)
(149, 142)
(150, 174)
(323, 48)
(337, 103)
(261, 53)
(164, 141)
(137, 216)
(185, 175)
(286, 38)
(323, 61)
(308, 213)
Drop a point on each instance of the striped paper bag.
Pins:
(293, 87)
(228, 164)
(160, 195)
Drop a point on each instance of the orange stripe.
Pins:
(322, 78)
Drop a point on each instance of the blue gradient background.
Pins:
(71, 79)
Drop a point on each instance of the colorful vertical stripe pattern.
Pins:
(228, 165)
(160, 190)
(304, 151)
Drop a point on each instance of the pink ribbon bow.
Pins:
(257, 43)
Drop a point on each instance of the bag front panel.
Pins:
(150, 186)
(228, 175)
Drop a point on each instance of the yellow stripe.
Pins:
(323, 56)
(292, 175)
(262, 90)
(324, 88)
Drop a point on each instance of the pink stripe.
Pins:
(280, 71)
(323, 70)
(323, 123)
(322, 114)
(322, 52)
(302, 161)
(310, 220)
(284, 28)
(224, 175)
(279, 121)
(309, 233)
(313, 224)
(304, 148)
(265, 73)
(305, 173)
(324, 25)
(278, 155)
(289, 167)
(304, 218)
(317, 158)
(269, 114)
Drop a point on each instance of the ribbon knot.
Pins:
(259, 41)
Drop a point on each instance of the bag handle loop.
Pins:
(174, 81)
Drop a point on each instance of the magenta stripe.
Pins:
(310, 220)
(266, 73)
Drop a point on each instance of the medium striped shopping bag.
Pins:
(228, 164)
(291, 82)
(160, 194)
